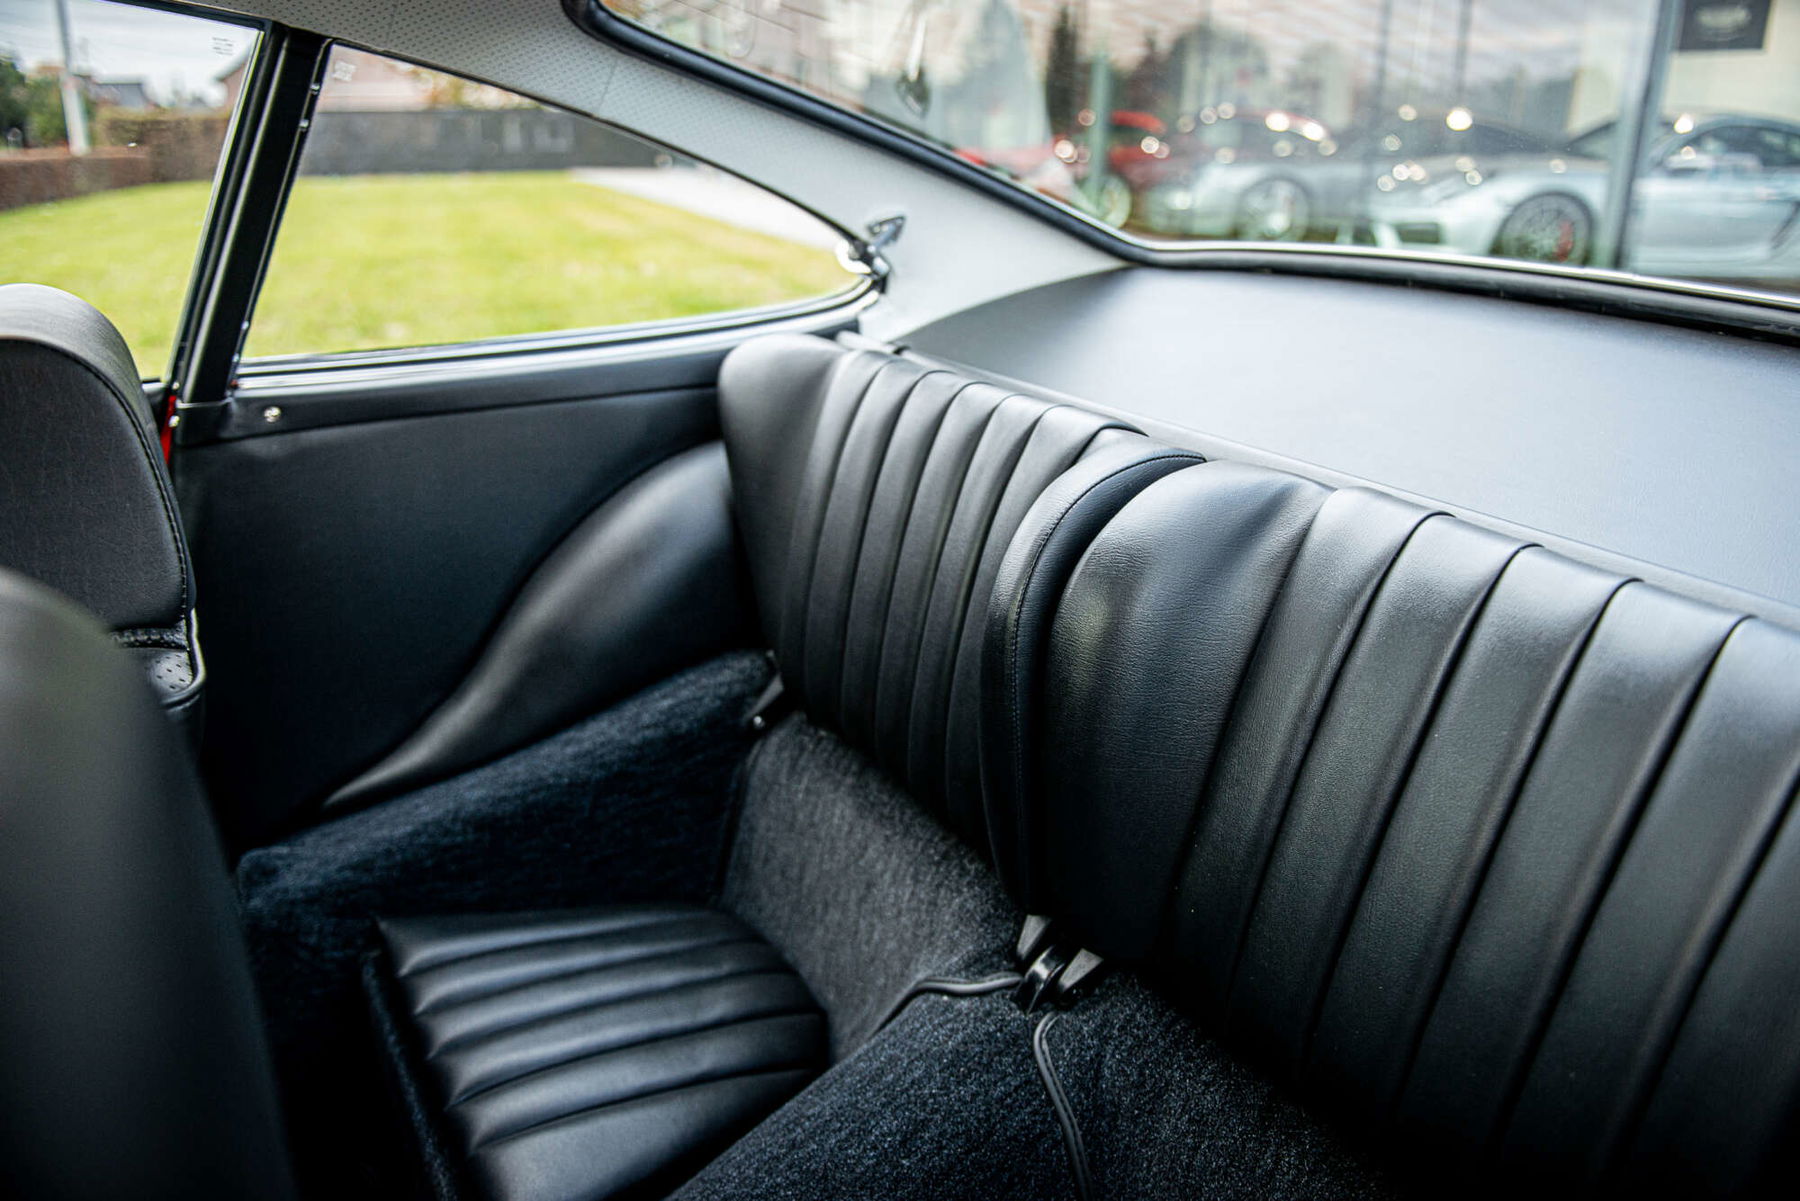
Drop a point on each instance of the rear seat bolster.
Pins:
(772, 396)
(1028, 586)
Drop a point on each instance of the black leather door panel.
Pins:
(360, 529)
(351, 574)
(649, 583)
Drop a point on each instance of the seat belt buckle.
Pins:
(1056, 973)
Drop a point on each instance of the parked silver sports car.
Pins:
(1716, 198)
(1323, 184)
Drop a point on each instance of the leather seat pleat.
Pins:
(1725, 1094)
(783, 1042)
(1354, 537)
(1482, 740)
(1687, 861)
(1113, 867)
(844, 392)
(1059, 438)
(463, 980)
(483, 1063)
(1624, 704)
(847, 517)
(898, 488)
(525, 1003)
(417, 944)
(941, 483)
(1401, 657)
(983, 486)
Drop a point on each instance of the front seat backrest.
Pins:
(132, 1060)
(86, 497)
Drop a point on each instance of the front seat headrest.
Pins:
(87, 501)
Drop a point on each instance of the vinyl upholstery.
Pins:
(600, 1053)
(877, 500)
(89, 509)
(132, 1058)
(1488, 850)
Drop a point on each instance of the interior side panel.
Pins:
(350, 575)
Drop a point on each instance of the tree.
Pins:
(44, 113)
(1065, 75)
(15, 100)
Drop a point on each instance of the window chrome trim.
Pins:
(255, 374)
(1762, 314)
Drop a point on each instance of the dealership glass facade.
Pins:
(1659, 138)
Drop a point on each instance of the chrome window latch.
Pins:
(863, 256)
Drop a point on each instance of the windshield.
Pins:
(1488, 129)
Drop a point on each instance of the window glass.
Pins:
(112, 122)
(1464, 128)
(430, 209)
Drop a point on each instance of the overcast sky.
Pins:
(172, 52)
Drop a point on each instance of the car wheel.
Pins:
(1274, 210)
(1553, 228)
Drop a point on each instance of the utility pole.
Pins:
(1459, 87)
(74, 114)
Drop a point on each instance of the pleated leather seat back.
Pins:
(877, 498)
(1491, 851)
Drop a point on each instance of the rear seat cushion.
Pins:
(595, 1053)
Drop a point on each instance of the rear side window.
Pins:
(431, 209)
(1459, 129)
(113, 119)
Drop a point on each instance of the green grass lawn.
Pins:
(413, 260)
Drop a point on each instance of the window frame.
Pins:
(226, 173)
(1766, 315)
(229, 369)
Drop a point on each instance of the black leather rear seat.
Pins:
(1491, 852)
(588, 1054)
(876, 500)
(1484, 850)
